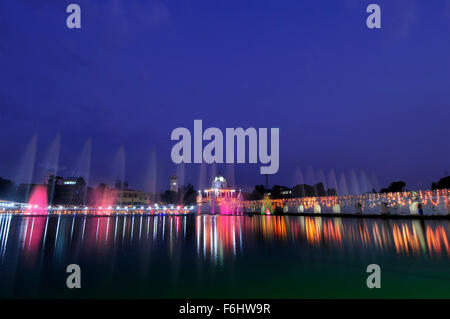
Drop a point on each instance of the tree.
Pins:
(319, 189)
(276, 191)
(169, 197)
(299, 190)
(331, 192)
(7, 189)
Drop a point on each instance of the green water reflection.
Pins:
(208, 256)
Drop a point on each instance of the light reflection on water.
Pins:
(178, 241)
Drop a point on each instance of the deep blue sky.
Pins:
(344, 97)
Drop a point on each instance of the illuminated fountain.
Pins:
(26, 168)
(84, 164)
(266, 205)
(104, 199)
(51, 166)
(220, 198)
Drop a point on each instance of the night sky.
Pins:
(346, 98)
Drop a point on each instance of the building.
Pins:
(59, 191)
(104, 195)
(131, 197)
(66, 191)
(124, 196)
(219, 189)
(24, 191)
(174, 184)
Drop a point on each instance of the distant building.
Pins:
(174, 184)
(125, 196)
(60, 190)
(120, 185)
(120, 194)
(74, 191)
(66, 191)
(23, 192)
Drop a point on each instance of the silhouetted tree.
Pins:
(319, 189)
(169, 197)
(331, 192)
(278, 191)
(258, 193)
(394, 187)
(7, 189)
(444, 183)
(299, 190)
(186, 195)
